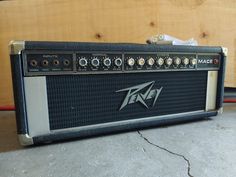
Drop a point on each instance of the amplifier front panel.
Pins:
(68, 90)
(80, 100)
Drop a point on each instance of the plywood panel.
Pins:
(211, 22)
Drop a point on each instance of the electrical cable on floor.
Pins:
(229, 100)
(7, 108)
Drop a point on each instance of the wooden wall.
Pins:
(211, 22)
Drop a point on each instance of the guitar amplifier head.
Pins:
(66, 90)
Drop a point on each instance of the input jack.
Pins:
(33, 63)
(56, 62)
(66, 62)
(45, 63)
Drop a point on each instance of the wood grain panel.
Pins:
(211, 22)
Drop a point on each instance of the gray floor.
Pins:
(200, 149)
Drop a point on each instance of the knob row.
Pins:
(96, 62)
(160, 61)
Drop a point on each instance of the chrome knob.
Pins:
(177, 61)
(160, 61)
(185, 61)
(118, 62)
(150, 61)
(168, 61)
(193, 61)
(83, 62)
(107, 62)
(130, 61)
(95, 62)
(141, 61)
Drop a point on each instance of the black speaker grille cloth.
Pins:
(81, 100)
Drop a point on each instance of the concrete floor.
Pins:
(200, 149)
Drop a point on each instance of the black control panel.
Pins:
(208, 61)
(98, 62)
(159, 62)
(102, 62)
(49, 62)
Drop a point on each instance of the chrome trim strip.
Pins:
(15, 47)
(212, 79)
(36, 105)
(25, 139)
(125, 122)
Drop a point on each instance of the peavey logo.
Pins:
(205, 61)
(140, 93)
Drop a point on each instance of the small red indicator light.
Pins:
(216, 61)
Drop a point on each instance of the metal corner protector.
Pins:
(220, 110)
(25, 139)
(15, 47)
(225, 51)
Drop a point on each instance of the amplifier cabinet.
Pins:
(67, 90)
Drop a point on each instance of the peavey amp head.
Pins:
(68, 90)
